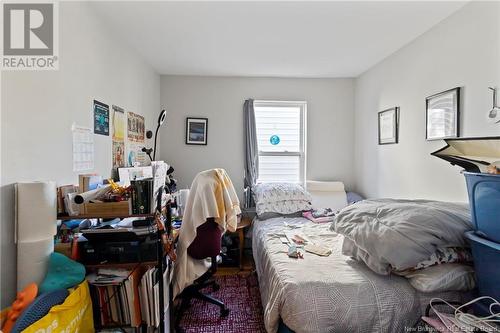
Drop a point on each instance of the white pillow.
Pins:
(445, 277)
(327, 194)
(281, 198)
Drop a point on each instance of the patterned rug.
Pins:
(241, 295)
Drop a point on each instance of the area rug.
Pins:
(241, 295)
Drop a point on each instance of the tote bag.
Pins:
(73, 316)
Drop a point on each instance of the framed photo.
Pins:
(388, 126)
(442, 115)
(196, 131)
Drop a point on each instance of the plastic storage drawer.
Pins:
(486, 264)
(484, 199)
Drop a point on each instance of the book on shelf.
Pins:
(63, 206)
(87, 182)
(142, 195)
(127, 297)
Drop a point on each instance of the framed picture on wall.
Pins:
(442, 115)
(196, 131)
(388, 126)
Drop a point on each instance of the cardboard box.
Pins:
(107, 209)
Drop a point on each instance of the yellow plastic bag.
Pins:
(73, 316)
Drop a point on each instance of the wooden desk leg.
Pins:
(241, 235)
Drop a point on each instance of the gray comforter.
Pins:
(389, 234)
(328, 294)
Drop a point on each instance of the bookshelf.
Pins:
(102, 216)
(162, 215)
(126, 265)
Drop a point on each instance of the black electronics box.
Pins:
(119, 252)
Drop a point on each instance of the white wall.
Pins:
(463, 50)
(220, 99)
(38, 109)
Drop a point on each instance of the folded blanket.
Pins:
(212, 195)
(319, 216)
(390, 234)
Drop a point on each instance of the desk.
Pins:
(244, 222)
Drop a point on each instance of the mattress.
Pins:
(329, 294)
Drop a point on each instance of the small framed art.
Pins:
(196, 131)
(442, 115)
(388, 126)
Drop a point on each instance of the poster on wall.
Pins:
(101, 118)
(118, 146)
(83, 148)
(135, 140)
(135, 127)
(135, 155)
(118, 154)
(118, 123)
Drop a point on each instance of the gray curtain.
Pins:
(251, 150)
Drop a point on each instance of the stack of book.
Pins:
(64, 204)
(127, 297)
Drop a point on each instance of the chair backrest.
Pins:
(207, 243)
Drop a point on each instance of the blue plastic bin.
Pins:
(486, 264)
(484, 199)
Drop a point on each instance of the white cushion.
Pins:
(317, 186)
(441, 278)
(327, 194)
(282, 198)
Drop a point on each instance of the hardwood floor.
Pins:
(248, 266)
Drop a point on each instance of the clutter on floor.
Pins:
(37, 308)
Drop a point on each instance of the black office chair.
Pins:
(207, 244)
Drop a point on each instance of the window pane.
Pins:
(278, 128)
(279, 169)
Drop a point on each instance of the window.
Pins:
(281, 141)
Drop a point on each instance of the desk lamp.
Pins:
(148, 151)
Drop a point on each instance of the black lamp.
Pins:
(161, 120)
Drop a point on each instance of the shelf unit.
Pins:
(164, 211)
(102, 216)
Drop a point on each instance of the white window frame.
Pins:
(303, 133)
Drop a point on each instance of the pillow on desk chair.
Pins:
(63, 273)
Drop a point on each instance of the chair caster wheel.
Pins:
(224, 312)
(215, 287)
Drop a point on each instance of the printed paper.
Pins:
(83, 148)
(135, 127)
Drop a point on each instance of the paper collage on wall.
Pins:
(136, 137)
(128, 138)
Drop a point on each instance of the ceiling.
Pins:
(270, 39)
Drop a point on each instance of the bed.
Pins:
(329, 294)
